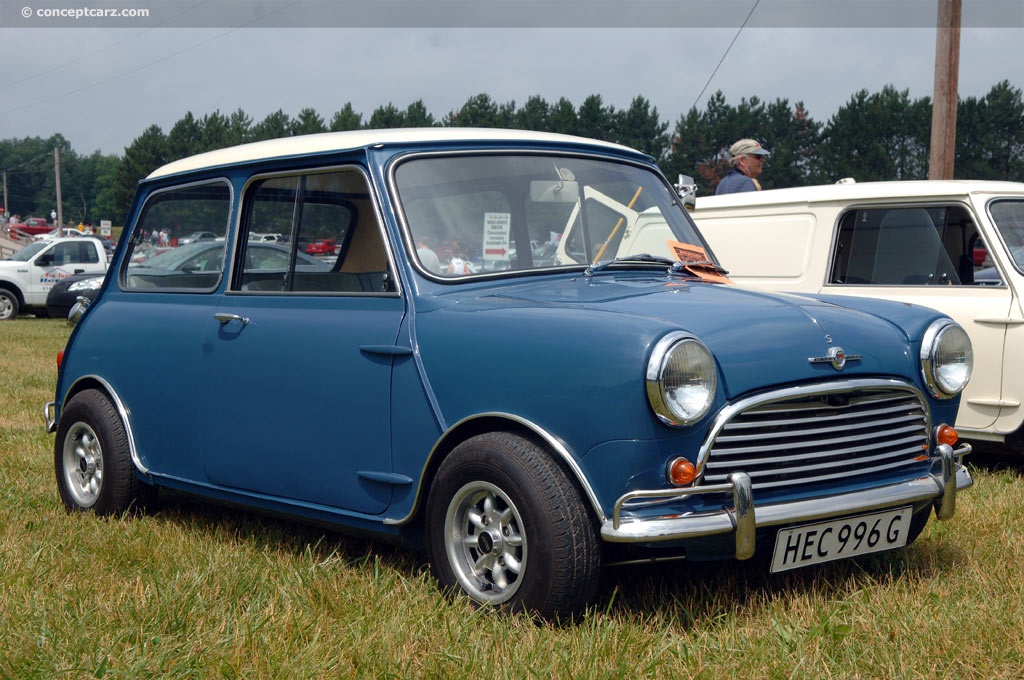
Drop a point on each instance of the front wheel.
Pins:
(8, 305)
(92, 459)
(507, 527)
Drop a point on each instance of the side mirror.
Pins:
(45, 260)
(687, 189)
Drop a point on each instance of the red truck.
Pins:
(33, 226)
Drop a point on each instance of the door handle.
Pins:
(225, 318)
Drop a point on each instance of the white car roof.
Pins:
(863, 191)
(357, 139)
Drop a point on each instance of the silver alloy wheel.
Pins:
(486, 542)
(83, 464)
(6, 308)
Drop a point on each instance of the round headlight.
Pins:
(946, 358)
(681, 379)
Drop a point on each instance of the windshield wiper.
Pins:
(640, 257)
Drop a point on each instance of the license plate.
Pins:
(840, 538)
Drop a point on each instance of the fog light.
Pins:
(945, 434)
(681, 472)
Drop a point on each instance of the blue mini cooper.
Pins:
(520, 356)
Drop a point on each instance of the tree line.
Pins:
(874, 136)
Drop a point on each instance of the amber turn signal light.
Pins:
(945, 434)
(681, 472)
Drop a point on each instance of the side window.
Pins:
(906, 246)
(329, 239)
(178, 241)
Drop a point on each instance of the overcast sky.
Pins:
(101, 81)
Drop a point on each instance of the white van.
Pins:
(956, 246)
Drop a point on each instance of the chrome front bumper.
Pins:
(743, 519)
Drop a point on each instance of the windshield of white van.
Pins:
(483, 214)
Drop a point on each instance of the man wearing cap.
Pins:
(747, 157)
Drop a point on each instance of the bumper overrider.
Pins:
(743, 519)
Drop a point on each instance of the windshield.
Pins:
(1008, 216)
(26, 253)
(494, 213)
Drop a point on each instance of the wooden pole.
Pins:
(947, 66)
(56, 170)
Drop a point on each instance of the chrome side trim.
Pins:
(744, 518)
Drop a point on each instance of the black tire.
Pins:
(92, 459)
(506, 526)
(8, 305)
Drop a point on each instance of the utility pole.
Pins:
(56, 169)
(947, 67)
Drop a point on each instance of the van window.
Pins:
(909, 246)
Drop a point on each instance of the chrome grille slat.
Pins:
(906, 446)
(819, 436)
(914, 425)
(794, 421)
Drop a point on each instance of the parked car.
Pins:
(913, 242)
(321, 246)
(527, 426)
(65, 293)
(197, 236)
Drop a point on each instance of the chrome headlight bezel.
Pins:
(681, 379)
(947, 358)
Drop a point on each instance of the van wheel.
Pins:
(93, 461)
(8, 305)
(506, 526)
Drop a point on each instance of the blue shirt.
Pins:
(734, 183)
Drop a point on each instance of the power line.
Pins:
(726, 54)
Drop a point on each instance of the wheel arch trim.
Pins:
(457, 433)
(96, 382)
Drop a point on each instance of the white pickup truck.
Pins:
(28, 275)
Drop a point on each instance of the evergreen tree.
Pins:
(147, 153)
(308, 122)
(274, 126)
(346, 118)
(385, 117)
(416, 115)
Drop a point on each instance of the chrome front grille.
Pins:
(837, 432)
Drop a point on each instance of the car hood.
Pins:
(758, 338)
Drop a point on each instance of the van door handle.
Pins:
(225, 318)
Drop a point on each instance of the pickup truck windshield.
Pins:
(484, 214)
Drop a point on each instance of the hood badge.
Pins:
(837, 357)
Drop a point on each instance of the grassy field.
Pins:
(199, 591)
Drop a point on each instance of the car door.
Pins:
(922, 254)
(298, 355)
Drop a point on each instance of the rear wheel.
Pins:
(93, 461)
(507, 527)
(8, 305)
